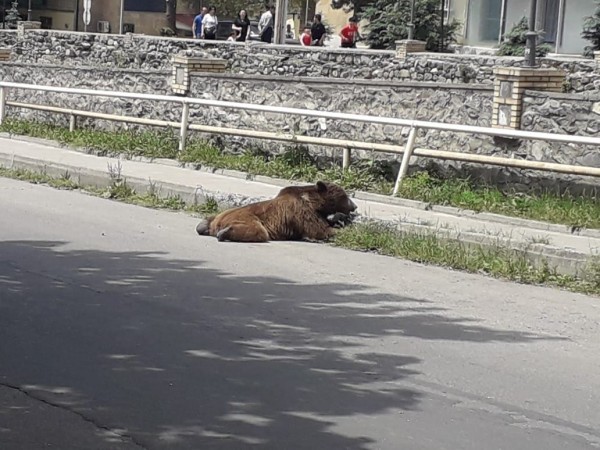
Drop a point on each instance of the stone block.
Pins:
(5, 54)
(406, 46)
(25, 25)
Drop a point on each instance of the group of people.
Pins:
(315, 34)
(205, 27)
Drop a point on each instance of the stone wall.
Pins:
(423, 101)
(464, 104)
(125, 80)
(151, 52)
(562, 114)
(8, 38)
(374, 83)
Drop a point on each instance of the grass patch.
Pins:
(376, 237)
(583, 212)
(118, 190)
(496, 261)
(295, 163)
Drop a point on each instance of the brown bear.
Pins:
(296, 213)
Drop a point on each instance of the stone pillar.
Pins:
(184, 66)
(24, 25)
(509, 85)
(406, 46)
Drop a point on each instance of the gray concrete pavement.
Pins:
(121, 328)
(568, 251)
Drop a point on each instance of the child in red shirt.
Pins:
(349, 33)
(305, 37)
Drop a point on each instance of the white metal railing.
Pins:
(407, 150)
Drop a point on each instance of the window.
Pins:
(145, 5)
(46, 22)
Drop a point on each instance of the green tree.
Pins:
(388, 22)
(591, 31)
(514, 42)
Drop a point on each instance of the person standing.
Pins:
(265, 25)
(349, 33)
(317, 31)
(209, 24)
(197, 25)
(242, 26)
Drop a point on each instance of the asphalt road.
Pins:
(120, 328)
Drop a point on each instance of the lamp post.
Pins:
(29, 11)
(531, 34)
(121, 9)
(411, 24)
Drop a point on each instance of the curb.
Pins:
(360, 195)
(563, 260)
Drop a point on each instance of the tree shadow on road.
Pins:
(174, 354)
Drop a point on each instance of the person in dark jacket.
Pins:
(242, 25)
(317, 31)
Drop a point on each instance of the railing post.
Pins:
(410, 144)
(3, 92)
(346, 159)
(185, 112)
(72, 123)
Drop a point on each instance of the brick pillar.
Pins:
(5, 53)
(24, 25)
(509, 85)
(405, 46)
(184, 66)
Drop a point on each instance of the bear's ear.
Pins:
(321, 187)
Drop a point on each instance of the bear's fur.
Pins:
(296, 213)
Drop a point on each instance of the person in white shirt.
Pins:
(265, 25)
(209, 24)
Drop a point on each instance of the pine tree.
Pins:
(515, 41)
(591, 31)
(388, 22)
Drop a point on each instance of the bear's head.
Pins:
(329, 198)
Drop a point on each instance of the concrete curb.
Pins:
(565, 261)
(361, 195)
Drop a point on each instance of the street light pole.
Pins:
(531, 34)
(121, 16)
(29, 11)
(411, 24)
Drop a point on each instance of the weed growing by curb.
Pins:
(496, 261)
(295, 163)
(384, 239)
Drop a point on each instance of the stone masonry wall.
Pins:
(424, 86)
(8, 38)
(562, 114)
(151, 52)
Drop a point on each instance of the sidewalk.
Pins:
(568, 251)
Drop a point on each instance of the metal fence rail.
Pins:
(407, 150)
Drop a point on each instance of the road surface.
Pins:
(120, 328)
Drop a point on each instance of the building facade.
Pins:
(139, 16)
(485, 21)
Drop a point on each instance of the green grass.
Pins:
(562, 209)
(295, 163)
(496, 261)
(118, 190)
(376, 237)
